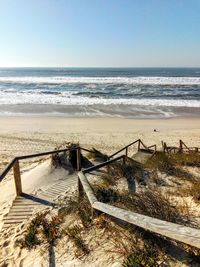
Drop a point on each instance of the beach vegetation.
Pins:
(31, 239)
(74, 234)
(97, 155)
(147, 256)
(168, 164)
(194, 191)
(81, 208)
(186, 159)
(42, 230)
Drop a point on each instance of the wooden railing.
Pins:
(174, 231)
(151, 148)
(14, 164)
(179, 149)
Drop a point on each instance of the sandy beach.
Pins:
(30, 134)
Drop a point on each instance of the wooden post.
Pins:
(164, 147)
(180, 146)
(124, 160)
(80, 190)
(17, 177)
(78, 153)
(126, 151)
(139, 145)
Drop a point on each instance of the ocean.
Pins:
(101, 92)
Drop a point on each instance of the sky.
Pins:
(99, 33)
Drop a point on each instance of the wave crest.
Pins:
(103, 80)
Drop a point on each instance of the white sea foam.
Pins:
(68, 99)
(103, 80)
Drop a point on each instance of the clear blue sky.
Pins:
(100, 33)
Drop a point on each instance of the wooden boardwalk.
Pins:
(177, 232)
(24, 206)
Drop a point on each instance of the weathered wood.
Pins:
(45, 153)
(123, 148)
(87, 150)
(98, 166)
(181, 145)
(174, 231)
(80, 190)
(124, 160)
(78, 153)
(7, 169)
(17, 178)
(86, 186)
(139, 144)
(153, 146)
(126, 152)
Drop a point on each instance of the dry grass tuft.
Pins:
(42, 230)
(106, 195)
(151, 203)
(131, 245)
(147, 256)
(187, 159)
(108, 179)
(97, 155)
(168, 164)
(74, 234)
(81, 208)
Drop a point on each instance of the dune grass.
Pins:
(97, 155)
(74, 234)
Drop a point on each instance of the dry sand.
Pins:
(30, 134)
(21, 135)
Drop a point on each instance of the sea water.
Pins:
(122, 92)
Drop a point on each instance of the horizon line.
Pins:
(100, 67)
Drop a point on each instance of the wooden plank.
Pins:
(7, 169)
(87, 150)
(78, 153)
(86, 186)
(123, 148)
(10, 165)
(174, 231)
(45, 153)
(17, 178)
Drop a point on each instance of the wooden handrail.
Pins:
(100, 165)
(155, 147)
(182, 147)
(16, 169)
(174, 231)
(124, 148)
(139, 141)
(87, 150)
(87, 188)
(187, 235)
(11, 164)
(183, 144)
(7, 169)
(46, 153)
